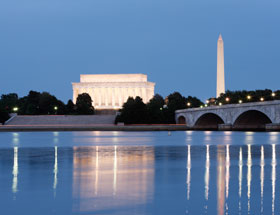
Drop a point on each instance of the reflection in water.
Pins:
(262, 163)
(55, 137)
(15, 138)
(189, 172)
(273, 137)
(249, 176)
(157, 179)
(124, 176)
(227, 169)
(273, 175)
(55, 169)
(221, 179)
(227, 174)
(240, 178)
(115, 170)
(249, 138)
(15, 171)
(207, 168)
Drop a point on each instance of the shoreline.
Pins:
(33, 128)
(38, 128)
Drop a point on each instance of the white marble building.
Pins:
(110, 91)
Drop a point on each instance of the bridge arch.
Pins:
(251, 119)
(208, 121)
(182, 120)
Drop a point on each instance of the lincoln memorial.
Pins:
(110, 91)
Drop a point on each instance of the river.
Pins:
(192, 172)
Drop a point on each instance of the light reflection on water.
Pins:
(196, 173)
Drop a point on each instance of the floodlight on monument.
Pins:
(273, 94)
(262, 99)
(248, 97)
(15, 109)
(240, 101)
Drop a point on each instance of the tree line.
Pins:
(134, 111)
(36, 103)
(157, 110)
(244, 96)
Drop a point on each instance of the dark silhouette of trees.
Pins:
(9, 101)
(134, 111)
(156, 111)
(84, 104)
(4, 115)
(244, 96)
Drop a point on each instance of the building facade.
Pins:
(111, 91)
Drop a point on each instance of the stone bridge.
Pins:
(246, 116)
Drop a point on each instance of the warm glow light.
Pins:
(262, 99)
(227, 99)
(205, 105)
(273, 94)
(201, 106)
(240, 101)
(248, 97)
(15, 109)
(220, 104)
(207, 101)
(55, 107)
(189, 104)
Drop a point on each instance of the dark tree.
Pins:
(36, 103)
(134, 111)
(9, 101)
(70, 107)
(4, 115)
(174, 101)
(84, 104)
(193, 102)
(155, 110)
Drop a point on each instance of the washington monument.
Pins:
(220, 67)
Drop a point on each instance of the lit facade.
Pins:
(111, 91)
(220, 67)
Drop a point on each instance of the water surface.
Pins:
(139, 173)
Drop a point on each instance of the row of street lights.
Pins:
(15, 109)
(239, 101)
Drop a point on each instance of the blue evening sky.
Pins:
(46, 44)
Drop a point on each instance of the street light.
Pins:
(249, 97)
(220, 104)
(262, 99)
(15, 109)
(188, 104)
(273, 94)
(240, 101)
(55, 108)
(227, 99)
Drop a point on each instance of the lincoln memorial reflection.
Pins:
(121, 176)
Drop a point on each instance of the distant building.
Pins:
(111, 91)
(220, 67)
